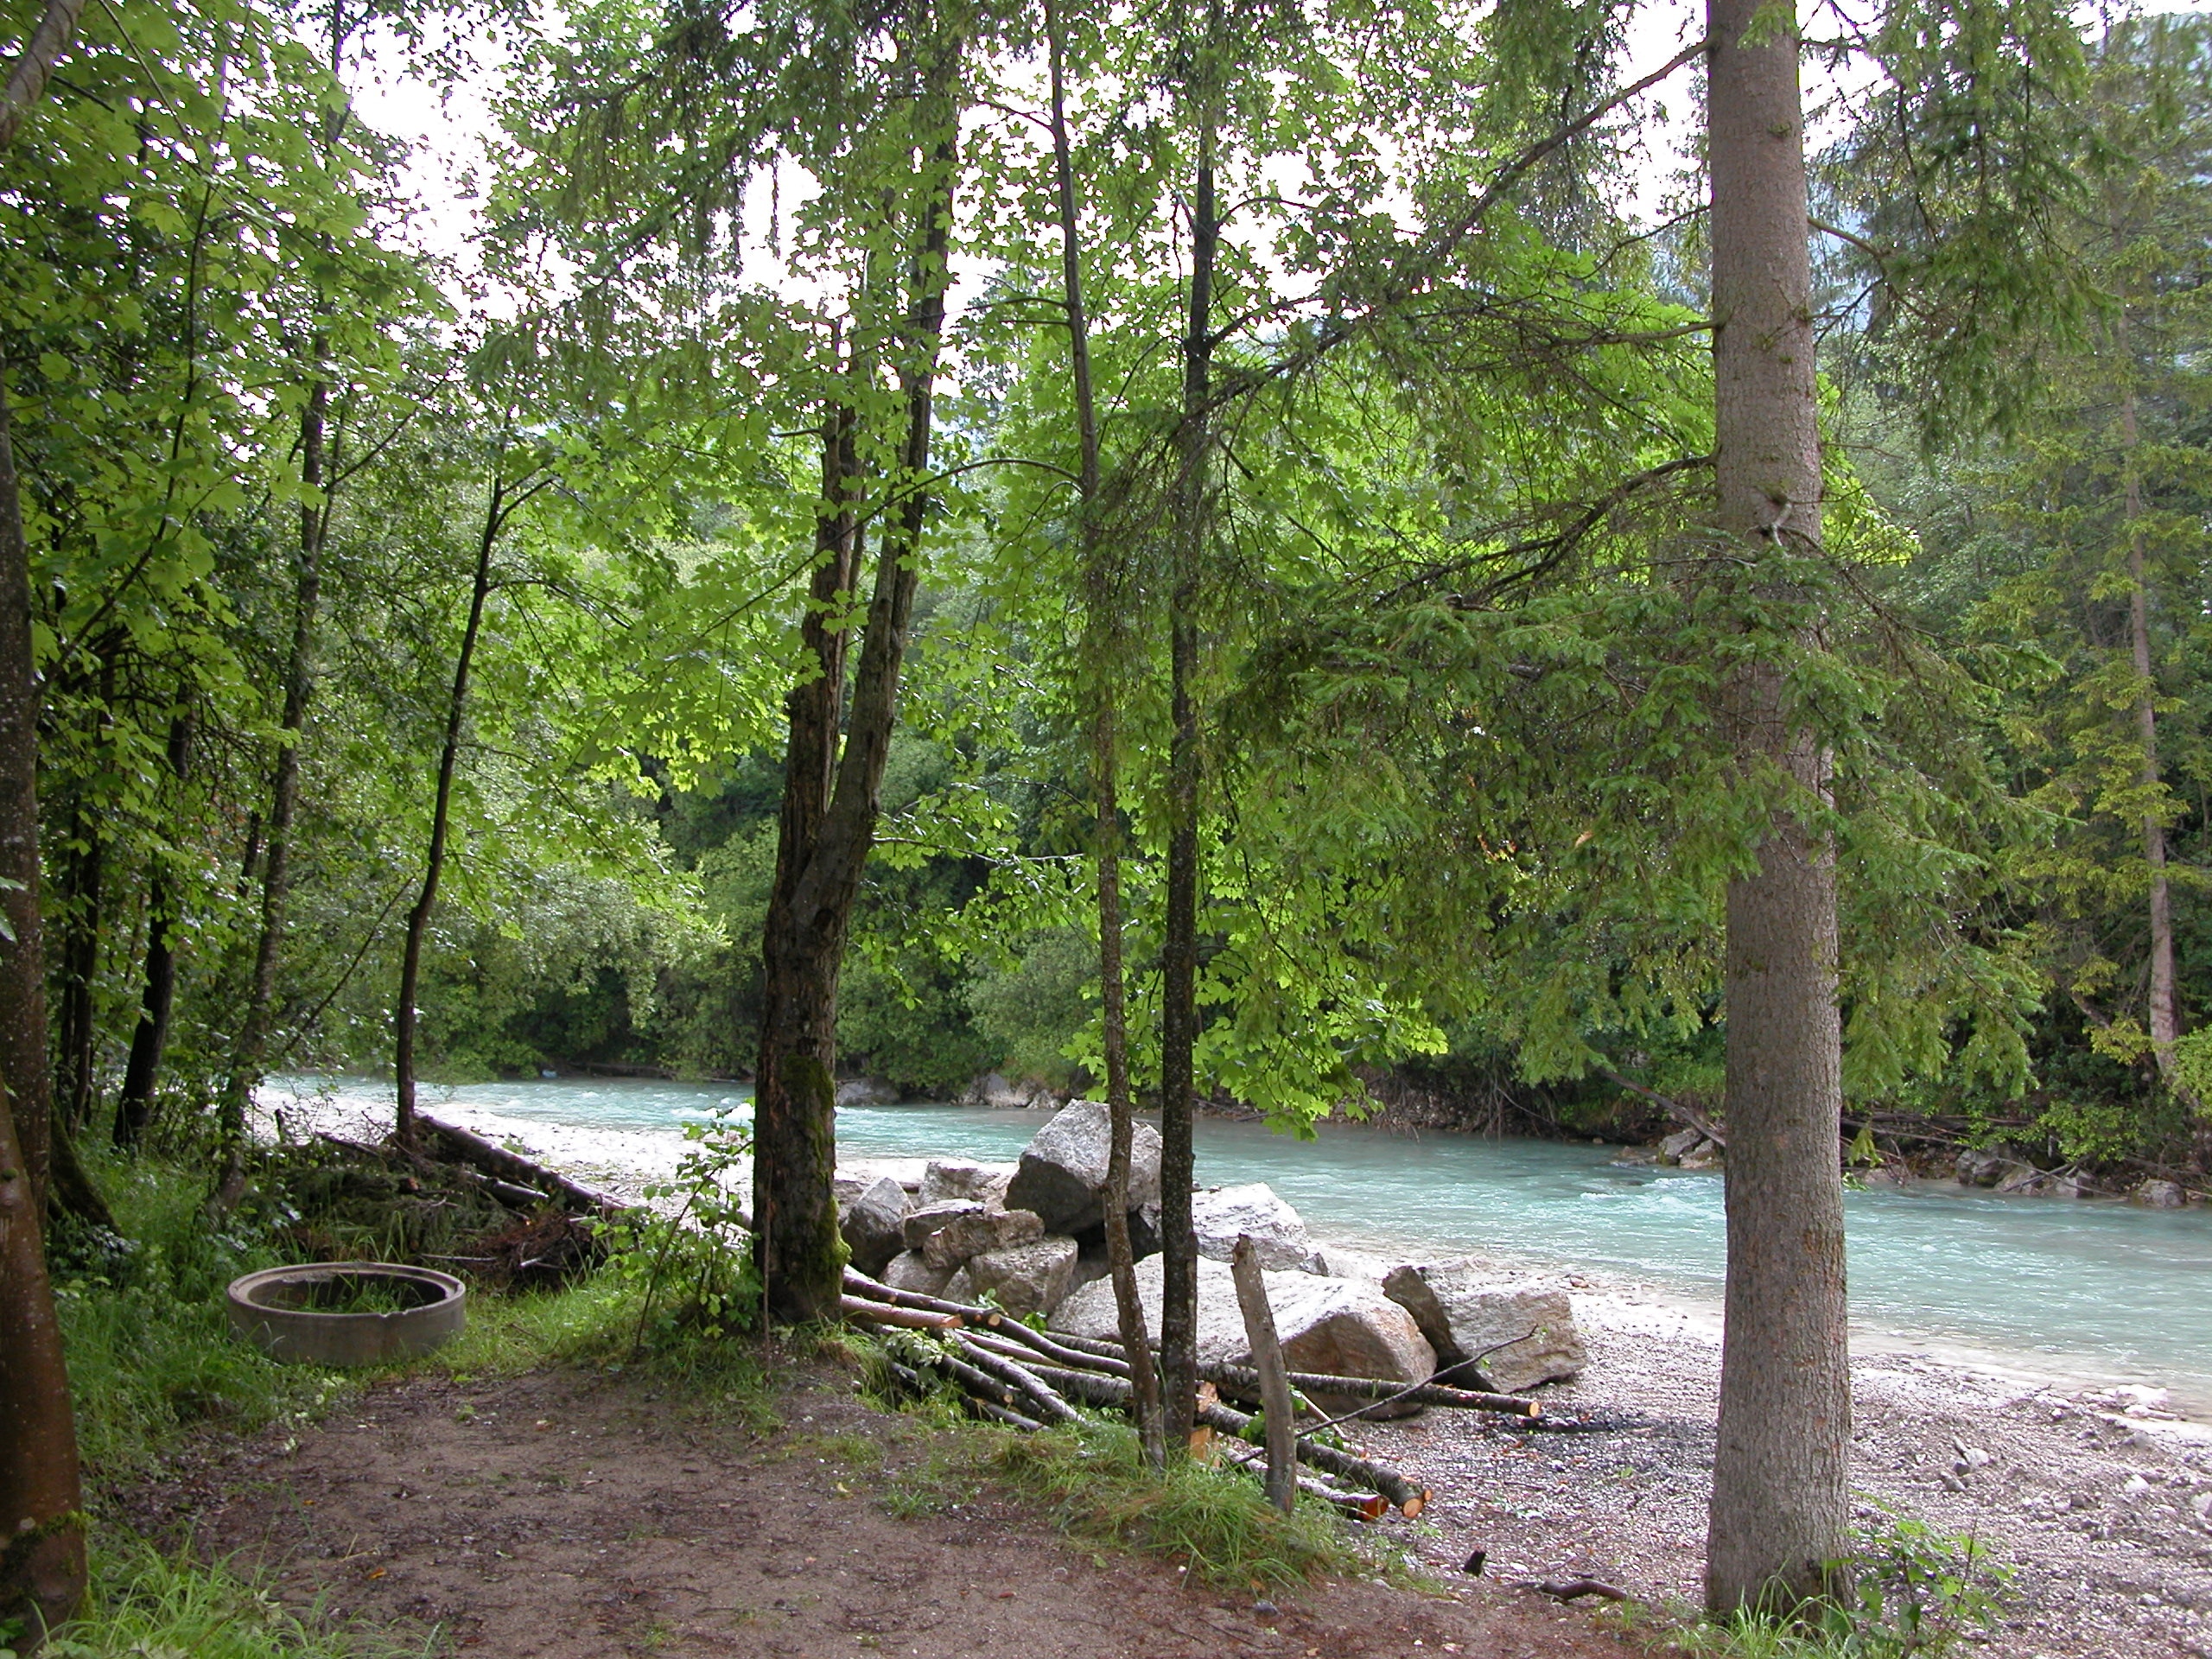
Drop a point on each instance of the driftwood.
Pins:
(858, 1284)
(1266, 1359)
(911, 1318)
(1243, 1380)
(466, 1147)
(1410, 1498)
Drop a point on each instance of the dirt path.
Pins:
(568, 1514)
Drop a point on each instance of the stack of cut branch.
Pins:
(1010, 1374)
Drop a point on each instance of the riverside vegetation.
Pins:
(1261, 554)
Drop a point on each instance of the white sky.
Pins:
(447, 130)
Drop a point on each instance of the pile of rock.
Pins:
(1031, 1236)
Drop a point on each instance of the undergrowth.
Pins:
(1092, 1481)
(148, 1605)
(1908, 1592)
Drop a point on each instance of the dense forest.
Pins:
(1171, 552)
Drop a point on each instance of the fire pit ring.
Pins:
(311, 1313)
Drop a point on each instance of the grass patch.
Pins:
(148, 1605)
(1092, 1481)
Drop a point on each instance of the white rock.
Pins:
(1063, 1170)
(873, 1225)
(1222, 1215)
(1025, 1279)
(1516, 1333)
(978, 1231)
(908, 1271)
(1337, 1326)
(948, 1179)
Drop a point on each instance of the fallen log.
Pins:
(1275, 1383)
(1006, 1414)
(466, 1147)
(1410, 1498)
(910, 1318)
(1053, 1349)
(875, 1290)
(1040, 1394)
(1246, 1380)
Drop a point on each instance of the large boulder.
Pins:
(1337, 1326)
(1062, 1172)
(929, 1218)
(994, 1089)
(979, 1232)
(867, 1091)
(1510, 1334)
(1025, 1279)
(909, 1270)
(1222, 1215)
(949, 1180)
(1997, 1167)
(875, 1225)
(2160, 1195)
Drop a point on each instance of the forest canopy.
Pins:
(338, 546)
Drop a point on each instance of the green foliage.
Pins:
(1092, 1480)
(1911, 1590)
(147, 1605)
(692, 1266)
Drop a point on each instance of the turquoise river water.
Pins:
(2090, 1289)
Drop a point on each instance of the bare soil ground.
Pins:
(569, 1514)
(2100, 1502)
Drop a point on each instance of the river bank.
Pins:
(2097, 1492)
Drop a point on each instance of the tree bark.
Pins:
(42, 1532)
(22, 957)
(1180, 946)
(252, 1041)
(1102, 629)
(42, 1568)
(79, 1038)
(2163, 1016)
(1778, 1506)
(1275, 1384)
(418, 918)
(134, 1107)
(825, 829)
(26, 80)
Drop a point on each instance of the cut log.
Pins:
(1005, 1415)
(1246, 1380)
(911, 1318)
(1266, 1359)
(1031, 1387)
(466, 1147)
(1053, 1349)
(874, 1290)
(1410, 1498)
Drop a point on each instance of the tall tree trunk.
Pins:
(251, 1044)
(41, 1508)
(1778, 1508)
(418, 918)
(1178, 1023)
(1102, 630)
(134, 1107)
(23, 1060)
(823, 843)
(78, 1039)
(41, 1524)
(2162, 1018)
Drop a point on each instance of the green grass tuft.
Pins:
(150, 1605)
(1092, 1480)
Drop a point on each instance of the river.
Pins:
(2085, 1290)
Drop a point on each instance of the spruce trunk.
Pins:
(134, 1108)
(1778, 1506)
(1180, 946)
